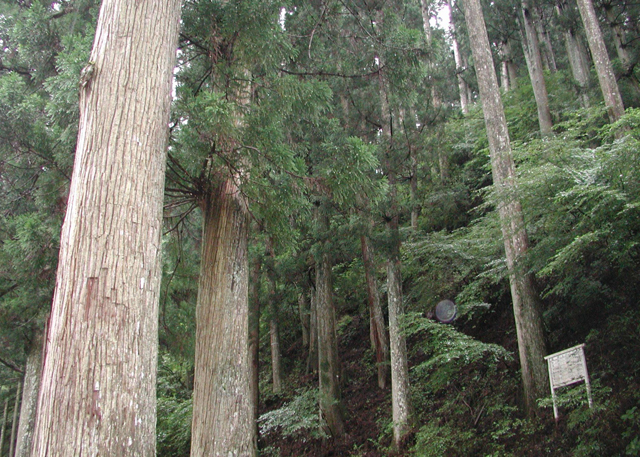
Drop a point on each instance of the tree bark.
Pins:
(526, 304)
(254, 338)
(606, 77)
(275, 355)
(274, 336)
(546, 48)
(460, 67)
(14, 422)
(32, 372)
(401, 408)
(303, 312)
(577, 56)
(312, 358)
(97, 393)
(223, 416)
(508, 73)
(533, 56)
(620, 43)
(4, 422)
(331, 409)
(377, 332)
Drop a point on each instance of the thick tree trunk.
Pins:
(526, 306)
(32, 372)
(331, 409)
(577, 56)
(223, 415)
(97, 394)
(14, 422)
(460, 67)
(606, 77)
(377, 332)
(254, 338)
(531, 48)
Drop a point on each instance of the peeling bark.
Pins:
(223, 414)
(98, 388)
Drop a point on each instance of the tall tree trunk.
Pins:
(312, 358)
(32, 372)
(98, 392)
(4, 422)
(275, 355)
(274, 335)
(401, 411)
(546, 48)
(401, 408)
(531, 48)
(331, 409)
(460, 67)
(223, 416)
(377, 333)
(254, 338)
(620, 43)
(606, 77)
(526, 304)
(14, 422)
(577, 55)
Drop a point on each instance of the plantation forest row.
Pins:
(319, 228)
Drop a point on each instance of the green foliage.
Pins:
(298, 418)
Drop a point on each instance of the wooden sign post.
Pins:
(565, 368)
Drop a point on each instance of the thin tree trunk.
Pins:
(460, 67)
(303, 312)
(98, 391)
(274, 336)
(32, 372)
(275, 355)
(401, 408)
(534, 64)
(577, 56)
(312, 358)
(223, 416)
(254, 338)
(331, 409)
(4, 422)
(377, 332)
(620, 43)
(14, 422)
(526, 304)
(606, 77)
(546, 48)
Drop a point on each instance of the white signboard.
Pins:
(565, 368)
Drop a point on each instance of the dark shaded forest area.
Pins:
(334, 170)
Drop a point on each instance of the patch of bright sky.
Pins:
(442, 18)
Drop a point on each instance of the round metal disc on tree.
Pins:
(446, 311)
